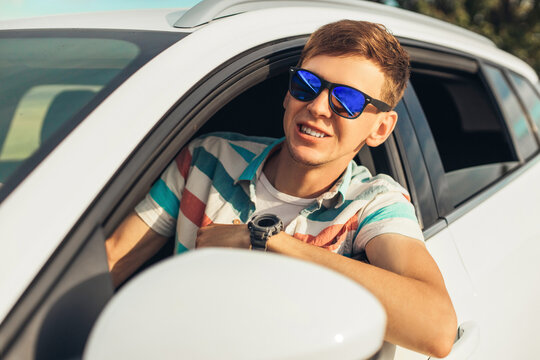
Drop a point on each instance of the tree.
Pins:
(511, 24)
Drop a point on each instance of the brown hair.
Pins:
(369, 40)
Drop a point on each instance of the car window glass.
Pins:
(44, 82)
(513, 112)
(471, 139)
(530, 97)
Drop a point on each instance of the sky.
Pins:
(13, 9)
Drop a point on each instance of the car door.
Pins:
(416, 147)
(498, 238)
(483, 153)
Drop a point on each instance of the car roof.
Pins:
(403, 23)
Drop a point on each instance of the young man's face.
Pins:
(342, 137)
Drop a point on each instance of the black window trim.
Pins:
(495, 187)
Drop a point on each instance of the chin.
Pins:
(304, 159)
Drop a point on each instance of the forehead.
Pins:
(354, 71)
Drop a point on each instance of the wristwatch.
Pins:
(261, 227)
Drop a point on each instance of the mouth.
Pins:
(310, 131)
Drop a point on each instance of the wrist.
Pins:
(261, 228)
(275, 242)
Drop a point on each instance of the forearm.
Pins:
(122, 267)
(132, 243)
(420, 314)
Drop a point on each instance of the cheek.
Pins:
(290, 112)
(351, 134)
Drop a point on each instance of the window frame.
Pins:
(445, 208)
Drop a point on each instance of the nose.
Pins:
(319, 106)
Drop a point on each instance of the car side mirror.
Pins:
(238, 304)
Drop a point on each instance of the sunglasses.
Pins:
(344, 100)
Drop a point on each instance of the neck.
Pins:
(300, 180)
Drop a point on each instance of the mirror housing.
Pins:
(238, 304)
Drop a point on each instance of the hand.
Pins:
(220, 235)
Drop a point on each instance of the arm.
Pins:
(405, 279)
(131, 244)
(402, 275)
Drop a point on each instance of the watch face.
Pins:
(266, 220)
(263, 226)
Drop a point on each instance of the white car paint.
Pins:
(499, 241)
(308, 312)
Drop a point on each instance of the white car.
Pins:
(94, 106)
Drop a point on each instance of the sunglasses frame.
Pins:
(380, 105)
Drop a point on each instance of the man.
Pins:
(332, 210)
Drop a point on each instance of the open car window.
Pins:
(471, 137)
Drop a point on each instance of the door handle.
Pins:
(466, 342)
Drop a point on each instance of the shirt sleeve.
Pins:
(159, 208)
(389, 212)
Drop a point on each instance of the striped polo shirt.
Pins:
(213, 180)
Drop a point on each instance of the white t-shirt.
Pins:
(271, 201)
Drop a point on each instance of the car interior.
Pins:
(471, 136)
(258, 111)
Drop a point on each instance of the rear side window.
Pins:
(529, 96)
(513, 112)
(471, 138)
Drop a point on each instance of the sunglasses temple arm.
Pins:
(382, 106)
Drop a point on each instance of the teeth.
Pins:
(310, 131)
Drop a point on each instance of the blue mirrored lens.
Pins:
(305, 85)
(347, 102)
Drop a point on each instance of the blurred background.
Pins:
(512, 24)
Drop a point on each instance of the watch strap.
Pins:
(259, 234)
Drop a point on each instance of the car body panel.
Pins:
(498, 240)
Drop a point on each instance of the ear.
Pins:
(386, 124)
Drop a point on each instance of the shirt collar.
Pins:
(255, 166)
(335, 196)
(332, 198)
